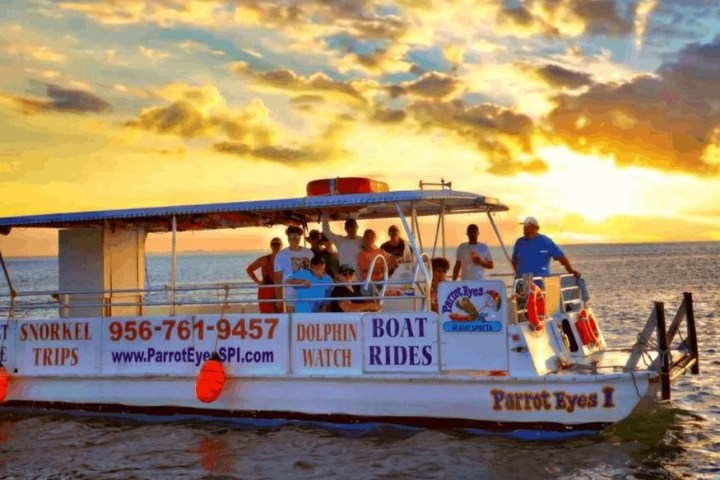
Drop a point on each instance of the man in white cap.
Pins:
(532, 252)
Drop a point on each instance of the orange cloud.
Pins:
(429, 85)
(201, 112)
(501, 135)
(569, 18)
(288, 80)
(560, 77)
(666, 121)
(318, 150)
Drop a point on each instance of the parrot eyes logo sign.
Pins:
(470, 309)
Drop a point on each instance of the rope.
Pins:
(7, 324)
(222, 314)
(637, 390)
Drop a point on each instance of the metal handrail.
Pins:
(148, 297)
(371, 269)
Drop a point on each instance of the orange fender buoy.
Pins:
(4, 382)
(535, 307)
(210, 380)
(593, 325)
(585, 329)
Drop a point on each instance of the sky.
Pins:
(599, 117)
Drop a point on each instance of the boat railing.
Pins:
(193, 298)
(424, 286)
(562, 293)
(369, 281)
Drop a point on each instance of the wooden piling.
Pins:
(691, 332)
(663, 350)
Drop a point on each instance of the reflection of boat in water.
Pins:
(103, 342)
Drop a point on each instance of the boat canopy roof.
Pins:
(297, 211)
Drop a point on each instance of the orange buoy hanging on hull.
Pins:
(4, 383)
(210, 380)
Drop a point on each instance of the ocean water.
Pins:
(679, 438)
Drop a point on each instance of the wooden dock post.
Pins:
(692, 333)
(663, 350)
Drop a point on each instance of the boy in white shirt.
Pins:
(288, 261)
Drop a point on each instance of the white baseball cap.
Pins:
(530, 221)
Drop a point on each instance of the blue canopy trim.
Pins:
(296, 211)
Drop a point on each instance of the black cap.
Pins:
(345, 268)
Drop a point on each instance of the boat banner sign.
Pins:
(326, 346)
(473, 317)
(67, 347)
(247, 345)
(400, 342)
(7, 344)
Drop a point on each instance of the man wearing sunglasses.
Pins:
(288, 261)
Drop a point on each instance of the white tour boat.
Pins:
(104, 342)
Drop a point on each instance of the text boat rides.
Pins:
(104, 342)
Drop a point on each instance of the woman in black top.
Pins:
(396, 245)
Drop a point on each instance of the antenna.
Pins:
(443, 184)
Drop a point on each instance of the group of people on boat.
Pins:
(319, 278)
(317, 268)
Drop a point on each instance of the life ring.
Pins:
(344, 186)
(587, 327)
(535, 307)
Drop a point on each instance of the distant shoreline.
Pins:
(449, 249)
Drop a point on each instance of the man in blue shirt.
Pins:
(313, 286)
(532, 252)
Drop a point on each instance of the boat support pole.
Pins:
(173, 267)
(442, 219)
(416, 226)
(13, 293)
(437, 236)
(413, 246)
(499, 237)
(440, 230)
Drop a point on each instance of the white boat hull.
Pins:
(503, 403)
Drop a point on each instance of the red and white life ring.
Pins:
(345, 185)
(535, 307)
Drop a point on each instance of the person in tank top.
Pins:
(266, 265)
